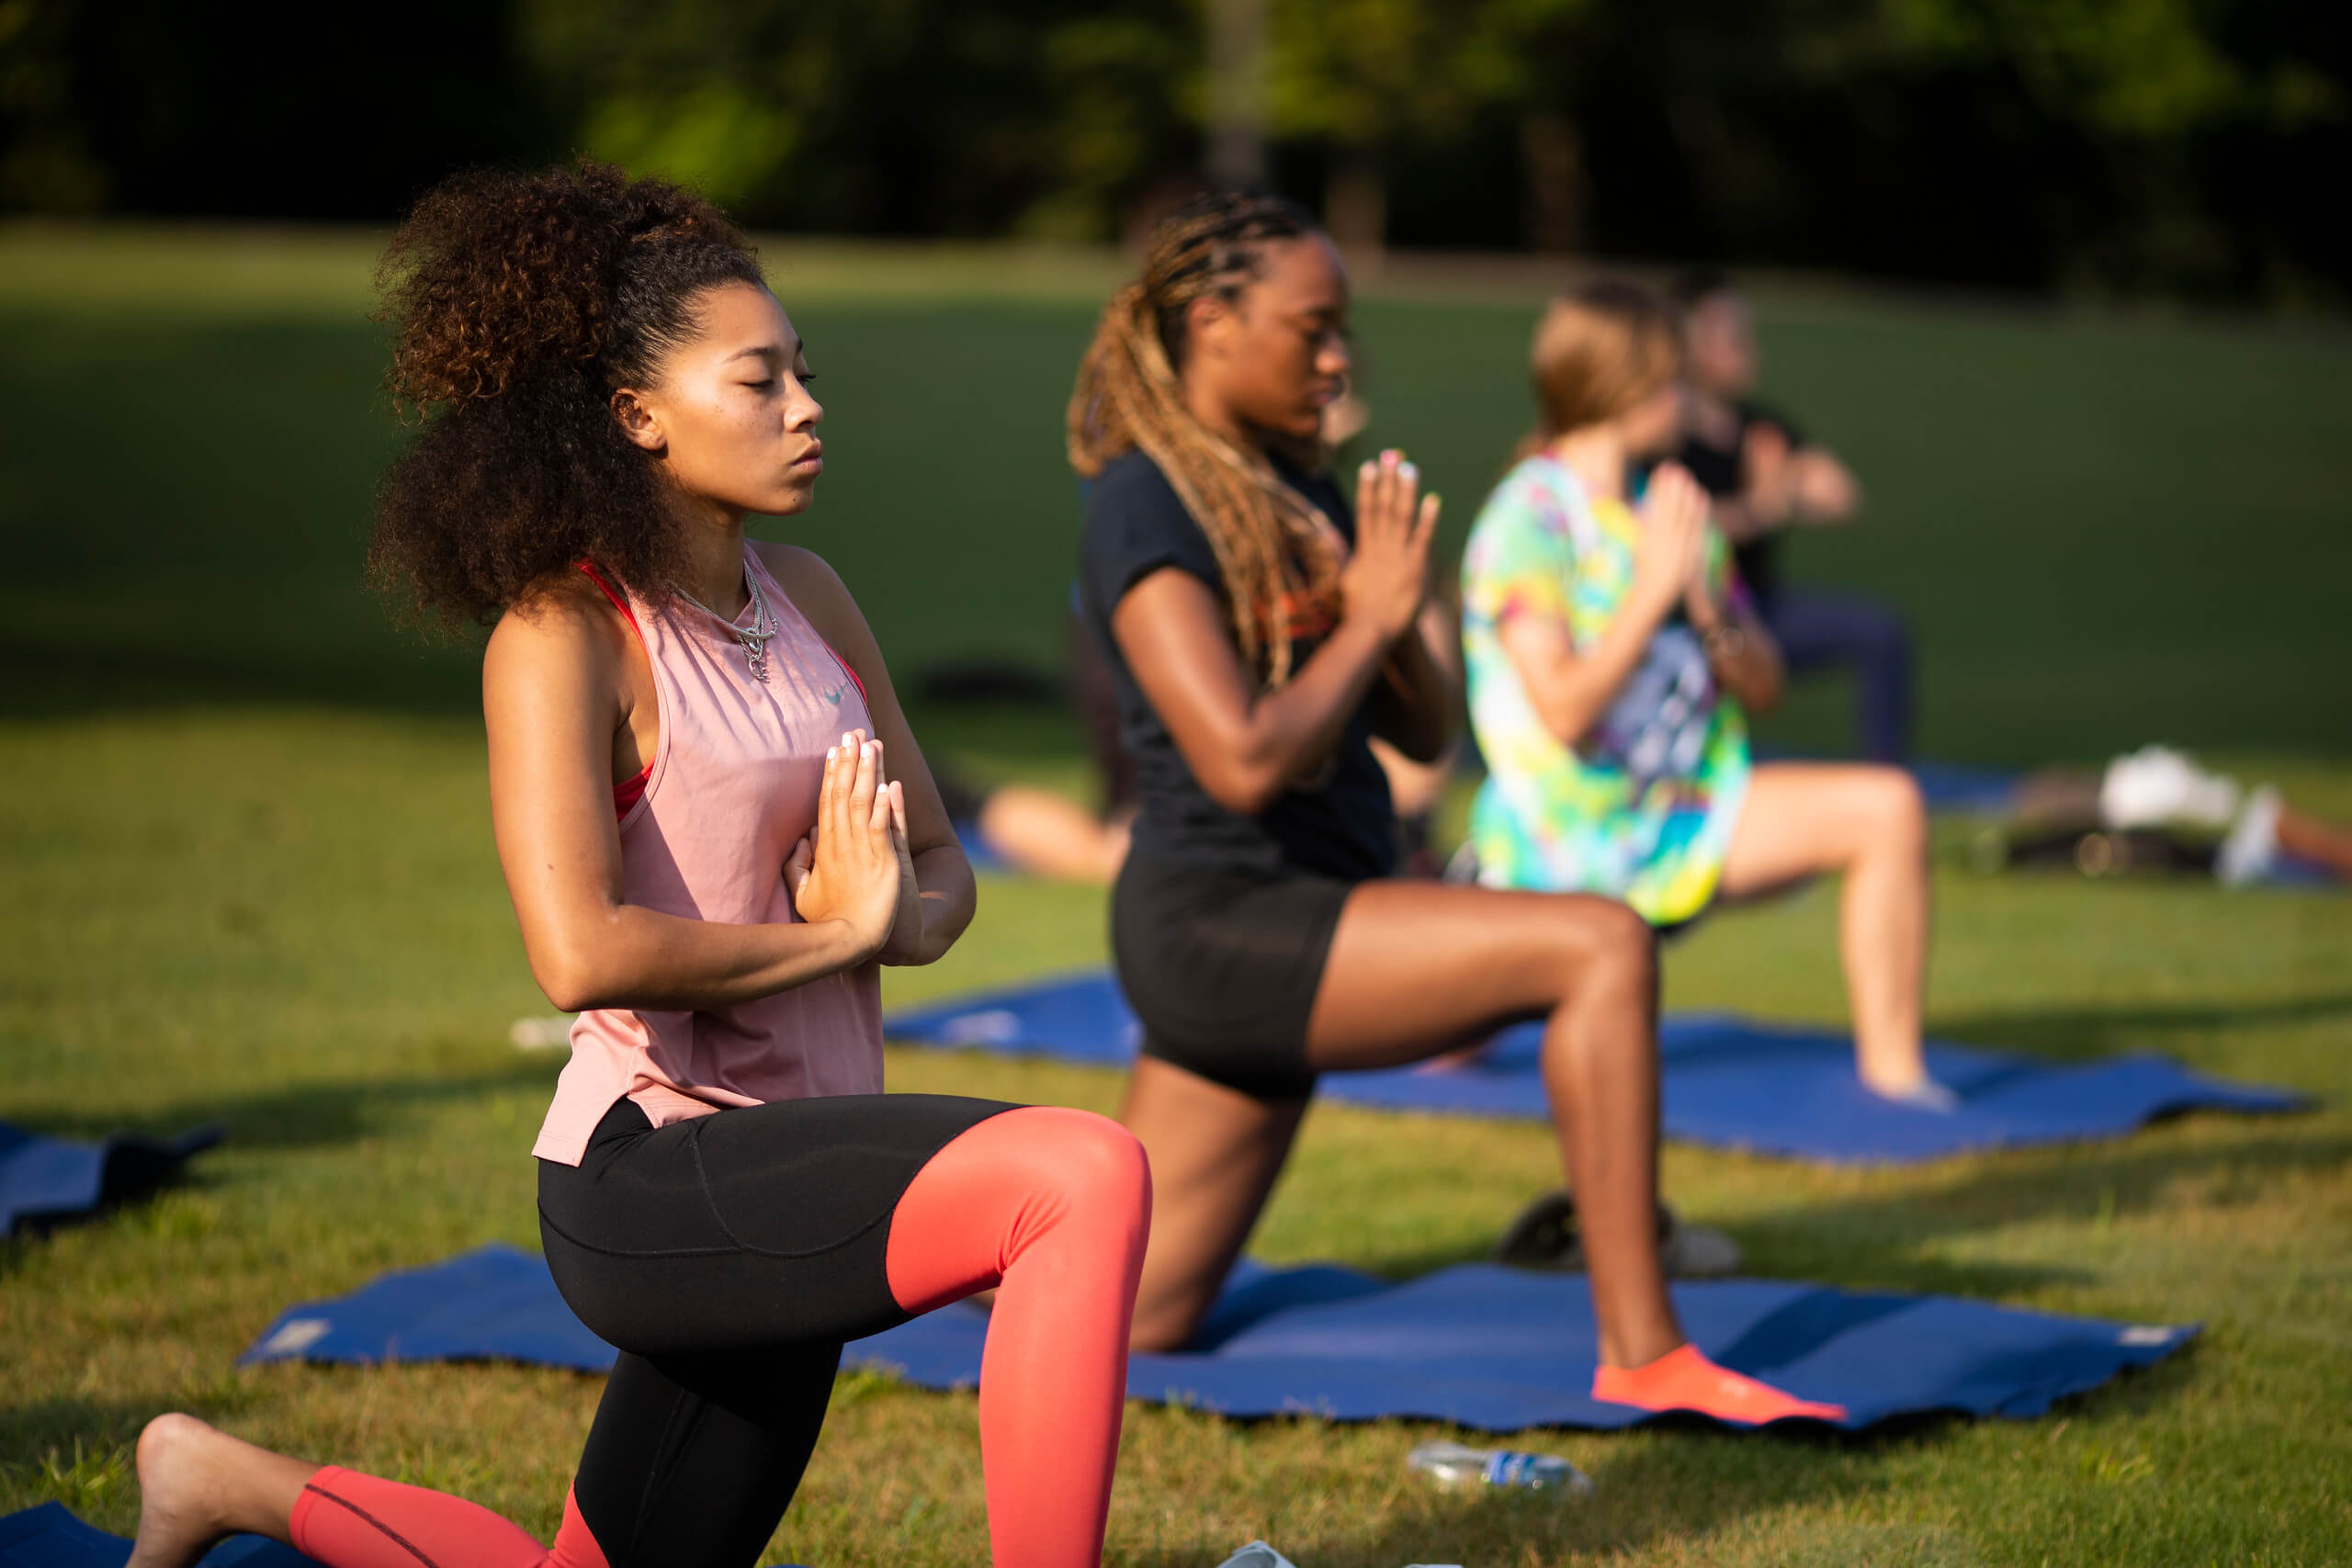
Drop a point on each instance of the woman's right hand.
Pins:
(848, 867)
(1673, 536)
(1387, 579)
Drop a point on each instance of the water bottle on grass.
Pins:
(1452, 1464)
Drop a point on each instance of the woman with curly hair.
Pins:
(715, 824)
(1261, 633)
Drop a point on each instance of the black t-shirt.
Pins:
(1718, 469)
(1340, 824)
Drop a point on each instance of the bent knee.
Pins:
(1084, 1156)
(1606, 935)
(1893, 805)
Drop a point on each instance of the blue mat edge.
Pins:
(2021, 1405)
(917, 1027)
(53, 1519)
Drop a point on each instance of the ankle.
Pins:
(1634, 1352)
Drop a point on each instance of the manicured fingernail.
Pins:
(1408, 471)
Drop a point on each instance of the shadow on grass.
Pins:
(2080, 1032)
(2092, 1184)
(303, 1116)
(40, 1428)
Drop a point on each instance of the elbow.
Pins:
(1569, 724)
(565, 992)
(567, 976)
(1243, 789)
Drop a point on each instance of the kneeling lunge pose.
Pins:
(714, 824)
(1260, 634)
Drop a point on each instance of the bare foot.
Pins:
(196, 1485)
(175, 1520)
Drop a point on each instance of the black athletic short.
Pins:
(1222, 963)
(727, 1257)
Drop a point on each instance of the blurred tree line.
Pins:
(2191, 147)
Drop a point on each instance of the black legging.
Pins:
(729, 1257)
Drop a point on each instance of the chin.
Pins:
(793, 501)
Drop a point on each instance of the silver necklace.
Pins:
(754, 637)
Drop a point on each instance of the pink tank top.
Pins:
(731, 788)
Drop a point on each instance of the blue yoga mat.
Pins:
(50, 1537)
(1480, 1345)
(1728, 1082)
(43, 1180)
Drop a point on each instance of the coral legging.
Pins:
(730, 1255)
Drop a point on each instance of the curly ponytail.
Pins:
(1272, 546)
(518, 303)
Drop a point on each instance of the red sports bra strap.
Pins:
(618, 603)
(846, 668)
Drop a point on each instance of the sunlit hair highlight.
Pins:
(1599, 351)
(1275, 548)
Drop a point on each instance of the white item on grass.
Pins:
(2156, 785)
(1454, 1464)
(539, 1033)
(1256, 1554)
(2251, 852)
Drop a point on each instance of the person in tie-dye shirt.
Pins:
(1611, 653)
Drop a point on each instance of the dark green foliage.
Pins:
(2184, 147)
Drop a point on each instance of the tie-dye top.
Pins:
(1642, 807)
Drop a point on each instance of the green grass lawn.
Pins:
(249, 877)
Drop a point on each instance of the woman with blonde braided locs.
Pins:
(1260, 632)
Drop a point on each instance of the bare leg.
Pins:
(1214, 1154)
(1869, 825)
(1415, 970)
(1052, 836)
(198, 1484)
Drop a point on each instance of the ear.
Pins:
(1208, 320)
(638, 420)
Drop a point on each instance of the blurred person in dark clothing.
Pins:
(1766, 478)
